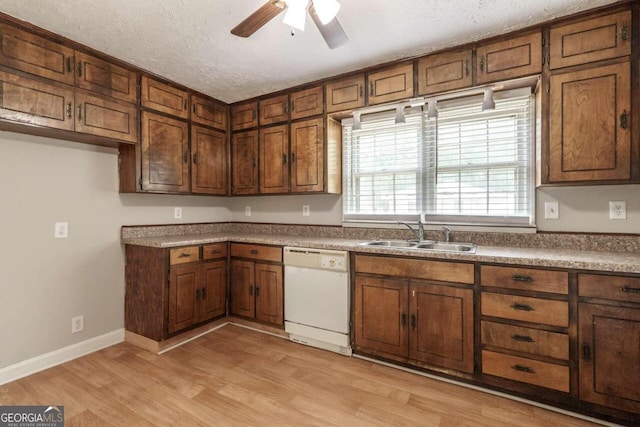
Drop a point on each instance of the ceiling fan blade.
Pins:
(257, 19)
(332, 32)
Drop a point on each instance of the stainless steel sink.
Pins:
(447, 247)
(391, 243)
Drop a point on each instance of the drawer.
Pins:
(184, 255)
(525, 309)
(529, 279)
(526, 340)
(457, 272)
(617, 288)
(214, 251)
(543, 374)
(259, 252)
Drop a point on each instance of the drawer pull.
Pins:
(630, 290)
(522, 307)
(586, 352)
(524, 369)
(214, 251)
(184, 255)
(254, 252)
(517, 278)
(522, 338)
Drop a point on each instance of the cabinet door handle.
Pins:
(254, 252)
(522, 338)
(293, 105)
(586, 352)
(197, 294)
(193, 108)
(524, 369)
(257, 290)
(482, 64)
(413, 321)
(466, 67)
(517, 278)
(360, 90)
(69, 64)
(80, 69)
(253, 114)
(630, 290)
(286, 107)
(195, 158)
(80, 112)
(69, 110)
(403, 319)
(284, 158)
(624, 119)
(624, 32)
(371, 89)
(184, 255)
(255, 162)
(185, 157)
(204, 293)
(522, 307)
(251, 290)
(293, 157)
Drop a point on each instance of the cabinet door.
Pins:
(165, 154)
(590, 120)
(208, 161)
(244, 116)
(244, 158)
(108, 118)
(610, 351)
(391, 84)
(105, 78)
(162, 97)
(184, 295)
(213, 293)
(274, 151)
(381, 316)
(35, 103)
(269, 293)
(592, 40)
(242, 289)
(274, 110)
(307, 103)
(36, 55)
(208, 112)
(307, 156)
(345, 94)
(444, 72)
(442, 326)
(516, 57)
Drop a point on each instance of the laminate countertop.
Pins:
(620, 262)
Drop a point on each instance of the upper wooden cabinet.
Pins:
(107, 118)
(590, 121)
(274, 152)
(307, 103)
(345, 94)
(511, 58)
(244, 116)
(445, 71)
(391, 84)
(274, 110)
(208, 161)
(244, 163)
(164, 98)
(36, 55)
(307, 156)
(208, 112)
(105, 78)
(592, 40)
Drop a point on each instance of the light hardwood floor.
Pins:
(236, 377)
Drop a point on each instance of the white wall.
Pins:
(46, 281)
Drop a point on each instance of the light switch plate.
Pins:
(551, 210)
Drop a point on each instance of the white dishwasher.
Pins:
(317, 298)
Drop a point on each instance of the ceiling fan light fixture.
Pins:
(326, 10)
(295, 14)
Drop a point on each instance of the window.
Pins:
(467, 166)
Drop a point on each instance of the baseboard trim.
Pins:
(60, 356)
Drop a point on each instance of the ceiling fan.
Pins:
(322, 12)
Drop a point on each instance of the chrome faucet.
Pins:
(419, 232)
(447, 234)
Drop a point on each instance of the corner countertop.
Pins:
(621, 262)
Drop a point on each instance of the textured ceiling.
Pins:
(188, 41)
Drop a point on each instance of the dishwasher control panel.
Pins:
(332, 262)
(324, 259)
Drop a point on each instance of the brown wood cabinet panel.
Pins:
(109, 118)
(445, 71)
(307, 103)
(381, 317)
(345, 94)
(36, 55)
(307, 156)
(214, 251)
(417, 268)
(591, 40)
(244, 116)
(209, 112)
(526, 340)
(441, 326)
(274, 152)
(165, 154)
(609, 344)
(543, 374)
(617, 288)
(213, 293)
(529, 279)
(391, 84)
(183, 307)
(163, 97)
(242, 288)
(274, 110)
(35, 103)
(256, 252)
(526, 309)
(184, 255)
(208, 161)
(244, 163)
(511, 58)
(269, 293)
(589, 121)
(105, 78)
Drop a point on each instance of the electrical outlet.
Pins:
(551, 210)
(247, 211)
(618, 210)
(77, 324)
(177, 213)
(61, 230)
(305, 210)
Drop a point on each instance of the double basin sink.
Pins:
(424, 245)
